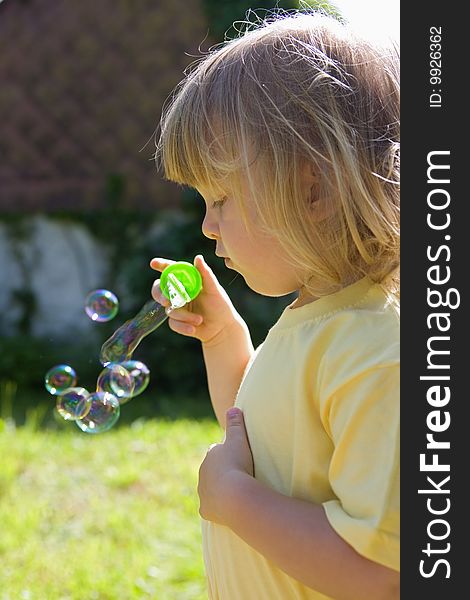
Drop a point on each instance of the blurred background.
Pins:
(82, 207)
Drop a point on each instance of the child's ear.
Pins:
(319, 203)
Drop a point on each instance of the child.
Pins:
(290, 134)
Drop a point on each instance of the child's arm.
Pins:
(226, 357)
(212, 319)
(294, 534)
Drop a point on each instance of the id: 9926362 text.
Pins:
(435, 67)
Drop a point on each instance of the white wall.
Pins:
(60, 262)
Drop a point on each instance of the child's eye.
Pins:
(219, 203)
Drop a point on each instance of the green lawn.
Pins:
(110, 516)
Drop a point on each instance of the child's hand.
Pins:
(223, 464)
(206, 318)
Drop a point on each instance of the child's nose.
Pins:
(209, 227)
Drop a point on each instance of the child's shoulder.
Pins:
(351, 338)
(358, 342)
(371, 326)
(355, 314)
(374, 317)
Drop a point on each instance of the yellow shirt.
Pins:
(321, 407)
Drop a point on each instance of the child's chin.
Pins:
(264, 291)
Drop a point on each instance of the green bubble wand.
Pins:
(180, 282)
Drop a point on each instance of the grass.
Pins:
(101, 517)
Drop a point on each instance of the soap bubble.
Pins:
(116, 380)
(74, 403)
(104, 412)
(139, 373)
(120, 346)
(101, 305)
(60, 378)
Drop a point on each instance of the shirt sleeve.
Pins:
(362, 419)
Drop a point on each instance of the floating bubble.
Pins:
(104, 412)
(101, 305)
(139, 373)
(74, 403)
(60, 378)
(116, 380)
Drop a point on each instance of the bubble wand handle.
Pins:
(180, 283)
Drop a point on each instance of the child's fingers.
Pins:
(160, 263)
(182, 328)
(182, 315)
(157, 294)
(184, 322)
(209, 280)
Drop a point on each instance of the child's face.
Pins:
(257, 256)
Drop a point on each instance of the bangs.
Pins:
(197, 146)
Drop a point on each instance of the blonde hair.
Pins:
(296, 91)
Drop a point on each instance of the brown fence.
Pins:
(82, 85)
